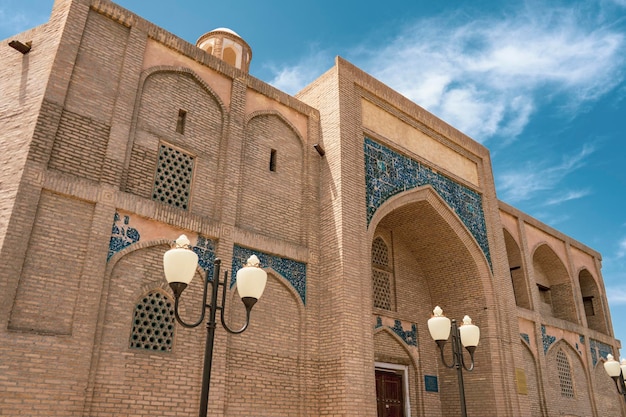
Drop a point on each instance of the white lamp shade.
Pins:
(180, 263)
(251, 282)
(439, 325)
(470, 333)
(612, 367)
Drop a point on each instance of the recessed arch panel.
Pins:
(554, 284)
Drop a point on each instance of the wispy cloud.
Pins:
(292, 78)
(567, 196)
(536, 176)
(616, 295)
(487, 76)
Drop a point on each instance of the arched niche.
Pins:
(437, 262)
(516, 269)
(592, 302)
(565, 382)
(273, 346)
(118, 367)
(391, 350)
(187, 125)
(271, 191)
(554, 285)
(528, 390)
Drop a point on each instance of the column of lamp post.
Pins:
(616, 371)
(467, 335)
(180, 264)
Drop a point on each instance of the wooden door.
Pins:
(389, 394)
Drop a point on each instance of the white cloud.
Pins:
(487, 76)
(568, 196)
(498, 70)
(616, 295)
(536, 176)
(292, 79)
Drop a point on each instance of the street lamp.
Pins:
(180, 264)
(616, 371)
(467, 335)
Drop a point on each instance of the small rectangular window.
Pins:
(180, 123)
(273, 160)
(588, 304)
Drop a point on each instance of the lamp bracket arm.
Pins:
(182, 322)
(222, 308)
(441, 344)
(467, 368)
(242, 329)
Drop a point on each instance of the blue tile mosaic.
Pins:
(599, 350)
(205, 249)
(547, 339)
(430, 383)
(408, 336)
(293, 271)
(525, 337)
(388, 173)
(122, 235)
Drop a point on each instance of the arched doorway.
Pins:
(434, 260)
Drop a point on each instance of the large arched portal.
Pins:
(433, 260)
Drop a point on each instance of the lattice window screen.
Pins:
(382, 275)
(153, 323)
(172, 182)
(565, 375)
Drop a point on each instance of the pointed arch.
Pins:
(554, 284)
(155, 131)
(517, 271)
(592, 301)
(273, 161)
(569, 394)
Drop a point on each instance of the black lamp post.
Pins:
(467, 335)
(180, 264)
(617, 372)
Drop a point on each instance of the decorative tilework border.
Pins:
(599, 350)
(293, 271)
(526, 337)
(408, 336)
(205, 249)
(388, 173)
(546, 339)
(122, 235)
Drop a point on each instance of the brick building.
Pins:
(366, 210)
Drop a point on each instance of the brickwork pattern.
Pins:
(81, 126)
(57, 283)
(156, 124)
(270, 202)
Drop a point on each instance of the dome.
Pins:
(227, 45)
(232, 32)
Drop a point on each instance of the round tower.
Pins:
(228, 46)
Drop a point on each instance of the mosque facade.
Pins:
(366, 211)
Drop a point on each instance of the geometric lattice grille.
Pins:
(172, 182)
(153, 323)
(380, 253)
(565, 375)
(382, 289)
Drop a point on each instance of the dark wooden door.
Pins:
(389, 398)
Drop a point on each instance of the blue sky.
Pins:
(542, 84)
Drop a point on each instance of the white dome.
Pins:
(232, 32)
